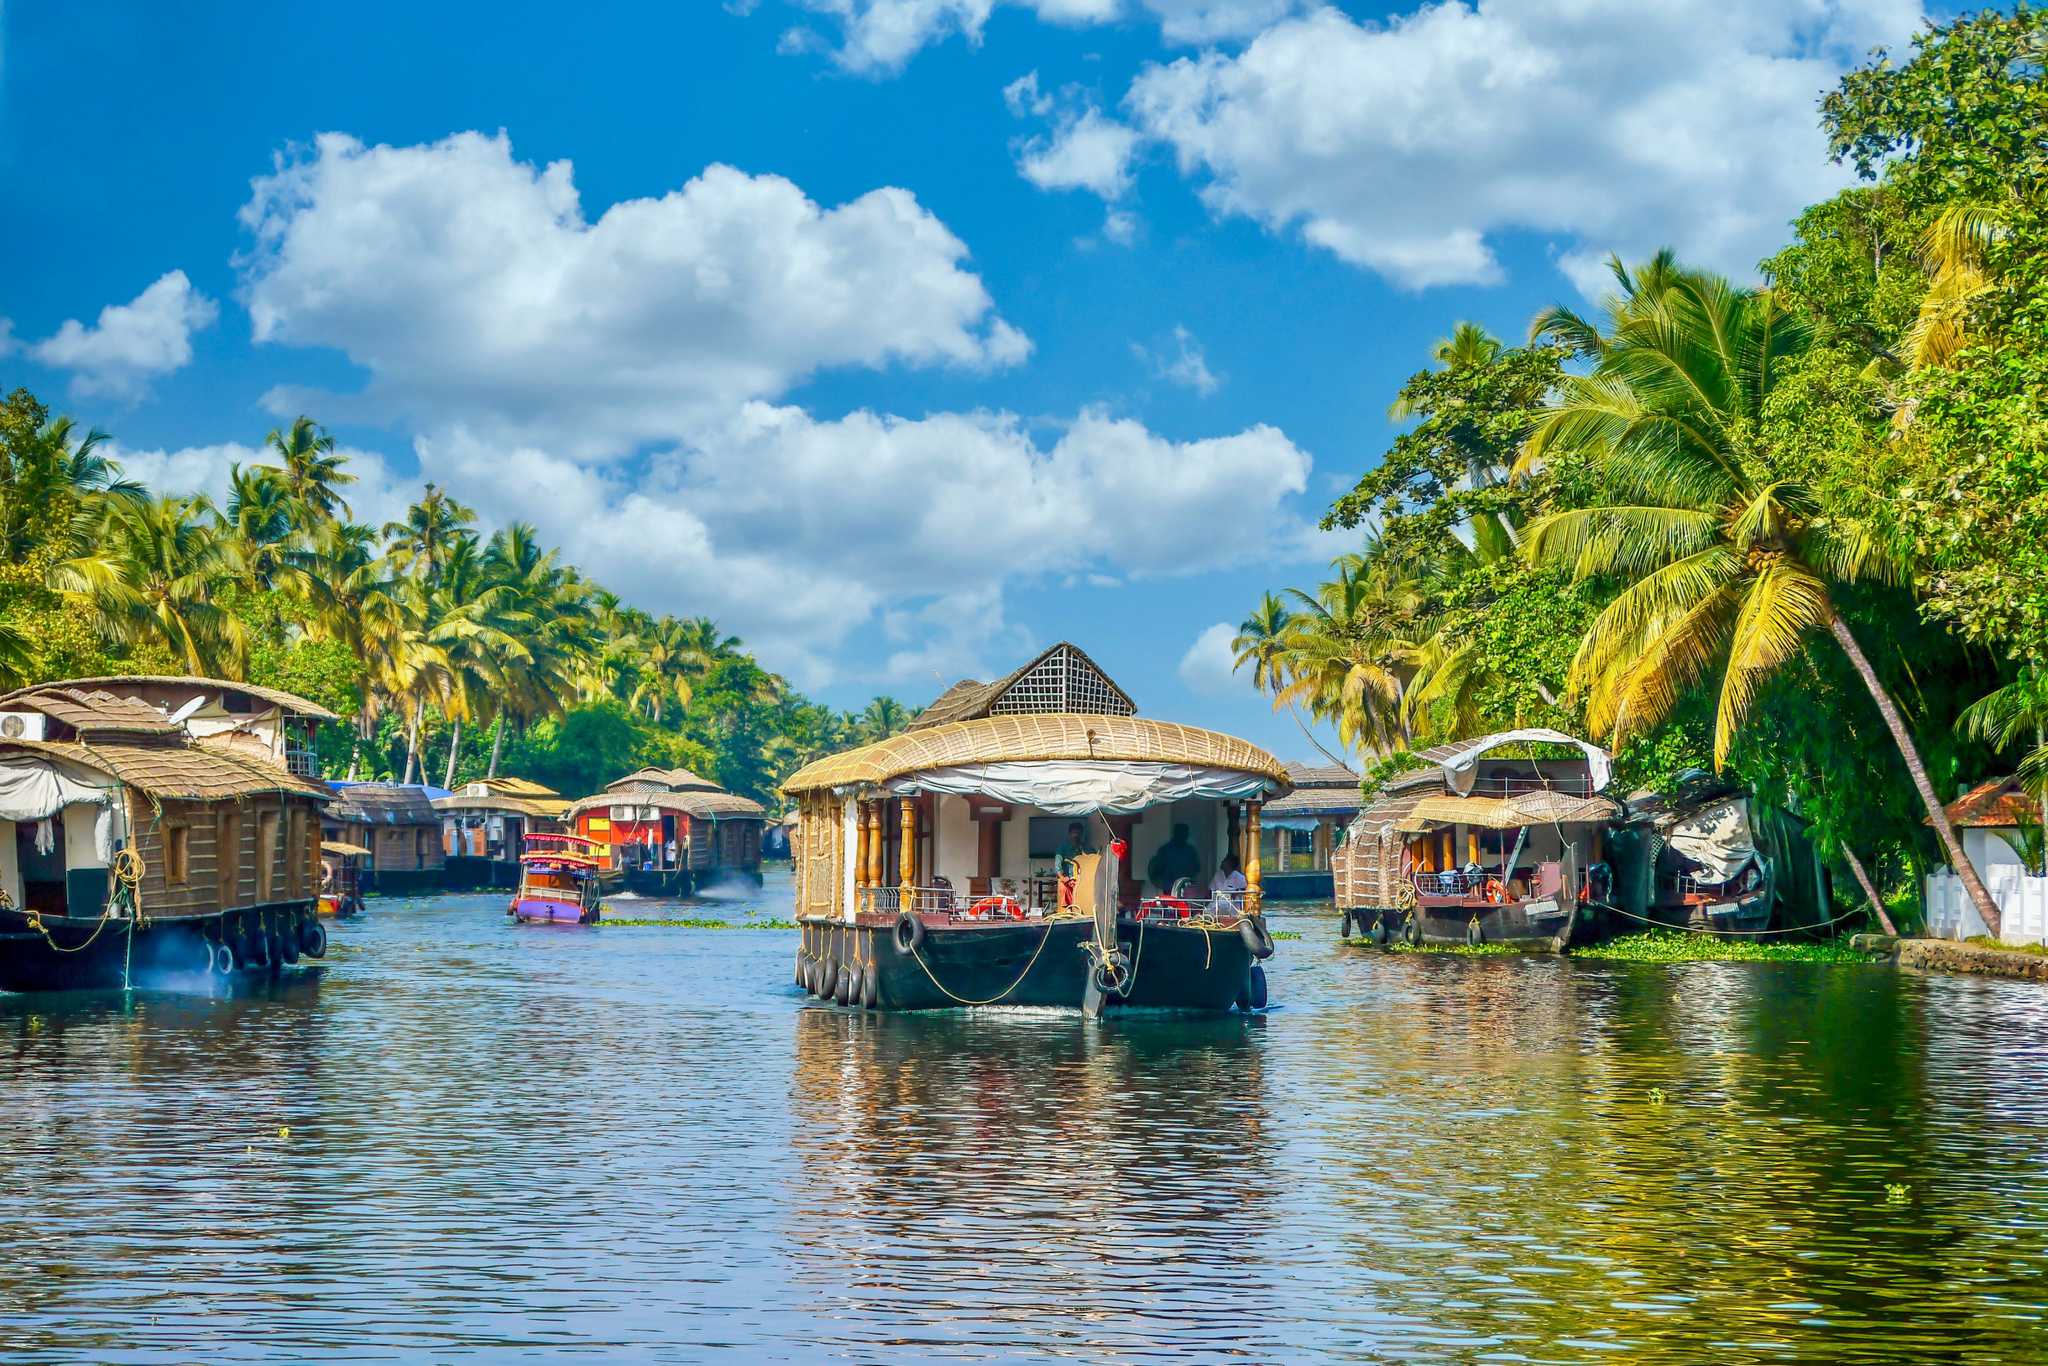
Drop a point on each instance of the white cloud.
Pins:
(1184, 363)
(8, 344)
(1408, 147)
(1209, 667)
(131, 343)
(800, 532)
(472, 289)
(1085, 152)
(378, 496)
(878, 37)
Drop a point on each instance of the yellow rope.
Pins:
(1033, 962)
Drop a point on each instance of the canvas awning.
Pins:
(339, 847)
(1461, 766)
(1507, 813)
(1078, 787)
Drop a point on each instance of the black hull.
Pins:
(672, 882)
(1030, 963)
(1510, 926)
(1299, 886)
(87, 955)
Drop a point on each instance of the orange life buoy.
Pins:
(996, 905)
(1495, 892)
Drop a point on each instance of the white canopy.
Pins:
(1462, 767)
(1076, 787)
(37, 789)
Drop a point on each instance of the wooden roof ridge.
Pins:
(179, 771)
(89, 711)
(381, 803)
(289, 701)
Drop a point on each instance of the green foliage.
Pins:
(1673, 946)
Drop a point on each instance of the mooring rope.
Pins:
(999, 996)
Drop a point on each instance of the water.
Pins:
(645, 1144)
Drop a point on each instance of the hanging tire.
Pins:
(1106, 977)
(1252, 929)
(1344, 932)
(222, 959)
(842, 990)
(871, 987)
(1380, 933)
(1411, 932)
(799, 969)
(1256, 989)
(313, 941)
(909, 933)
(288, 943)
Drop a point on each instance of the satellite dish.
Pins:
(178, 716)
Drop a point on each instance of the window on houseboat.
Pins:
(266, 855)
(177, 855)
(227, 855)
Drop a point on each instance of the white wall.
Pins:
(959, 847)
(79, 850)
(1988, 849)
(2022, 903)
(10, 866)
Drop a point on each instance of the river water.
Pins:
(645, 1144)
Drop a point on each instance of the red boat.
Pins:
(561, 881)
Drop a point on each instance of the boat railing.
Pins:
(1517, 784)
(1451, 882)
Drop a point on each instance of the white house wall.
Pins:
(10, 865)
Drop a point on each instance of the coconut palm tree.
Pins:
(1349, 651)
(433, 527)
(559, 627)
(152, 580)
(671, 665)
(55, 486)
(259, 528)
(881, 718)
(481, 634)
(1727, 568)
(311, 471)
(350, 599)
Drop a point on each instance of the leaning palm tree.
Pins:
(152, 580)
(311, 471)
(1726, 567)
(1349, 651)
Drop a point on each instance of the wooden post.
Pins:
(875, 849)
(1253, 875)
(906, 854)
(1123, 827)
(863, 836)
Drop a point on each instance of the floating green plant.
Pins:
(1674, 946)
(695, 924)
(1480, 950)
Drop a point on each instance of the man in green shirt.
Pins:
(1071, 848)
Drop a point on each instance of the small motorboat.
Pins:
(561, 881)
(341, 879)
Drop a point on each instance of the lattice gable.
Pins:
(1063, 679)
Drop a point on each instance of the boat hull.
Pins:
(1542, 925)
(88, 955)
(532, 910)
(1042, 963)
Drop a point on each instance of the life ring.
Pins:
(991, 906)
(1256, 936)
(326, 876)
(909, 933)
(1495, 891)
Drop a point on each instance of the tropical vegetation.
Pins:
(1797, 530)
(453, 653)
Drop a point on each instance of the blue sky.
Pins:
(902, 336)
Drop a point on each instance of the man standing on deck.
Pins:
(1071, 848)
(1175, 860)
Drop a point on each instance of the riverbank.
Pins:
(1975, 956)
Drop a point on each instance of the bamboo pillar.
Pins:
(875, 809)
(906, 858)
(1253, 874)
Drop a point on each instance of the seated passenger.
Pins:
(1228, 886)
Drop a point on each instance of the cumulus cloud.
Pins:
(1084, 152)
(131, 343)
(472, 289)
(1182, 361)
(1409, 147)
(802, 531)
(1209, 667)
(878, 37)
(377, 496)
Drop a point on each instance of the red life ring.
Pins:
(996, 905)
(1495, 892)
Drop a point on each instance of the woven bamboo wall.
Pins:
(821, 855)
(222, 855)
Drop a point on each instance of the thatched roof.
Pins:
(175, 770)
(1325, 790)
(290, 702)
(344, 848)
(382, 804)
(2000, 804)
(514, 796)
(1508, 813)
(1320, 775)
(1061, 679)
(92, 712)
(1040, 736)
(663, 780)
(715, 805)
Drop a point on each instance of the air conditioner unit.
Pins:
(23, 725)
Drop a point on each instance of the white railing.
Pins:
(2022, 903)
(1452, 883)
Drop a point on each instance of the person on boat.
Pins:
(1175, 860)
(1228, 886)
(1071, 848)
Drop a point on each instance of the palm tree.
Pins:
(259, 528)
(311, 471)
(1349, 651)
(1261, 643)
(1468, 346)
(152, 581)
(55, 488)
(350, 599)
(480, 634)
(672, 662)
(881, 718)
(559, 629)
(1727, 567)
(2012, 716)
(422, 543)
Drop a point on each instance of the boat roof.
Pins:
(290, 702)
(382, 804)
(344, 848)
(714, 805)
(1541, 807)
(1036, 737)
(174, 770)
(1061, 678)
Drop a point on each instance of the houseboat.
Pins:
(138, 849)
(341, 879)
(397, 823)
(668, 832)
(484, 828)
(1708, 858)
(1304, 828)
(1034, 842)
(561, 881)
(1473, 847)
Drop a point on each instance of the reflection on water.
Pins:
(644, 1143)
